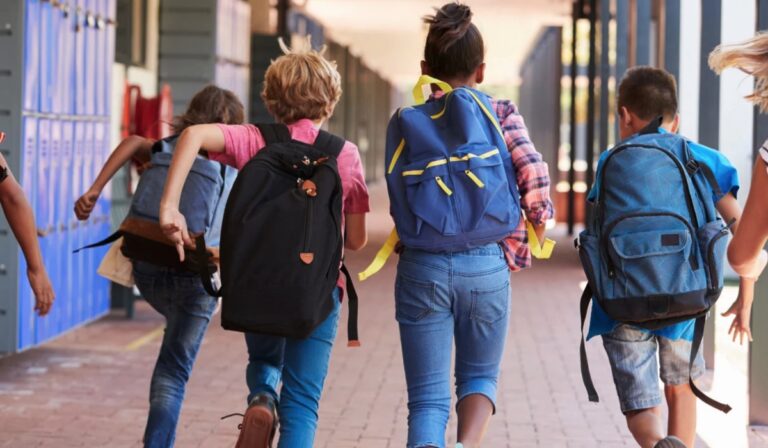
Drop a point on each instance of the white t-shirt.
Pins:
(764, 152)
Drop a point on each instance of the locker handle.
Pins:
(42, 233)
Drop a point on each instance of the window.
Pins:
(131, 33)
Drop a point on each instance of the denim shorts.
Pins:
(632, 355)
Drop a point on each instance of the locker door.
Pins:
(46, 64)
(26, 327)
(89, 269)
(64, 194)
(43, 213)
(77, 267)
(32, 56)
(54, 259)
(101, 219)
(91, 61)
(80, 67)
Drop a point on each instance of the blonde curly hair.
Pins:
(301, 84)
(751, 57)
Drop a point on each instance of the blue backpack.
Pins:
(202, 203)
(653, 251)
(450, 177)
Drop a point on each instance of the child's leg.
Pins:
(632, 355)
(265, 364)
(481, 310)
(423, 311)
(304, 372)
(646, 426)
(675, 358)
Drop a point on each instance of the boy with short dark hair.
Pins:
(646, 93)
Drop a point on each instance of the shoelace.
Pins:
(236, 414)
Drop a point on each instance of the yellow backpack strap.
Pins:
(539, 250)
(381, 256)
(425, 80)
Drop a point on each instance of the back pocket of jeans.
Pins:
(414, 299)
(490, 305)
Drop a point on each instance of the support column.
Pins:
(622, 46)
(672, 38)
(577, 5)
(643, 32)
(591, 75)
(605, 72)
(709, 116)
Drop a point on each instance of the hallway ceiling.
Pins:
(389, 34)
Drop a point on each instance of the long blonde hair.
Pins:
(751, 57)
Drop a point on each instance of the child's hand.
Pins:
(742, 310)
(41, 287)
(175, 228)
(84, 205)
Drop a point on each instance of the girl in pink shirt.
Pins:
(301, 90)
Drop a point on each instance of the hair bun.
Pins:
(450, 23)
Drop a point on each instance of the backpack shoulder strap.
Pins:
(698, 335)
(274, 132)
(329, 143)
(586, 376)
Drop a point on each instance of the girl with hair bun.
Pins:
(463, 294)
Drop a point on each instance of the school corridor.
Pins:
(89, 388)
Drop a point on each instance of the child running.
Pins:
(463, 194)
(176, 293)
(646, 93)
(301, 89)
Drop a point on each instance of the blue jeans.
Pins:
(439, 296)
(180, 297)
(302, 365)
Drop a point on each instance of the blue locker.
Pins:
(32, 55)
(65, 44)
(26, 328)
(91, 61)
(79, 240)
(65, 307)
(111, 29)
(53, 258)
(101, 57)
(45, 66)
(80, 67)
(89, 270)
(43, 211)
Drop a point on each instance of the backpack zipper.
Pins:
(307, 230)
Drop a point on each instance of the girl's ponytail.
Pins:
(454, 45)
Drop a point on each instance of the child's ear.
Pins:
(676, 124)
(624, 116)
(480, 73)
(425, 68)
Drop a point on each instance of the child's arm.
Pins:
(356, 235)
(206, 137)
(741, 309)
(133, 146)
(744, 250)
(22, 221)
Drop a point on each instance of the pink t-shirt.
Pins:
(243, 142)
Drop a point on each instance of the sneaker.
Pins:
(259, 423)
(670, 442)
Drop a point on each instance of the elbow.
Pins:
(738, 259)
(356, 242)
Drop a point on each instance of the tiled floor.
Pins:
(89, 388)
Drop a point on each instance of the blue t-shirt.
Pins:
(728, 180)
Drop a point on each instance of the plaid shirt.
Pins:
(532, 176)
(532, 182)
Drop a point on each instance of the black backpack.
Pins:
(281, 242)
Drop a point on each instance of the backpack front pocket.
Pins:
(648, 263)
(429, 189)
(482, 186)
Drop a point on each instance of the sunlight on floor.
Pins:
(729, 385)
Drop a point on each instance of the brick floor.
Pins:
(89, 387)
